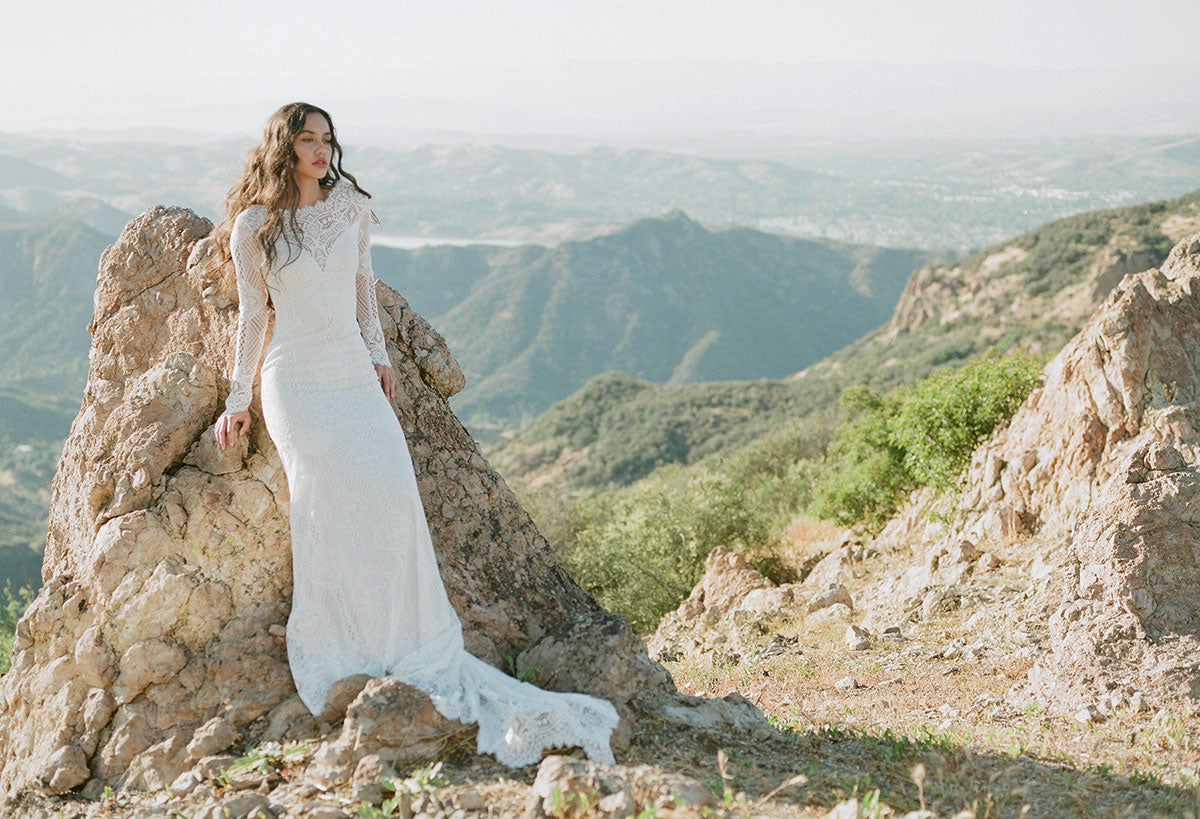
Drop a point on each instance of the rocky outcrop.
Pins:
(157, 638)
(1130, 377)
(728, 598)
(1093, 480)
(996, 290)
(1129, 626)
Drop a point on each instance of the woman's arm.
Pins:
(368, 309)
(247, 255)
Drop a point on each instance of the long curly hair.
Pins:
(269, 180)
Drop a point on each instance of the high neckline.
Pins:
(320, 202)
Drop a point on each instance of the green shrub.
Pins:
(943, 419)
(864, 475)
(11, 608)
(919, 435)
(642, 548)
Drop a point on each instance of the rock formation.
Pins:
(157, 640)
(729, 595)
(1092, 486)
(1129, 377)
(1095, 474)
(1129, 626)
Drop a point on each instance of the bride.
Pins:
(367, 596)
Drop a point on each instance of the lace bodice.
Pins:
(322, 224)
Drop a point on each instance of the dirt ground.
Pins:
(917, 720)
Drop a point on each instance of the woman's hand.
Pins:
(229, 424)
(387, 380)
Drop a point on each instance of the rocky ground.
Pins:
(930, 711)
(923, 715)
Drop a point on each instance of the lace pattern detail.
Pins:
(368, 305)
(252, 307)
(367, 595)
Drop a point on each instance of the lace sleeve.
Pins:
(368, 306)
(252, 311)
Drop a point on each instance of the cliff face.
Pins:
(1073, 542)
(996, 290)
(157, 636)
(1093, 480)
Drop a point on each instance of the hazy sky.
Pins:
(861, 67)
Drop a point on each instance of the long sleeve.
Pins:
(252, 311)
(368, 305)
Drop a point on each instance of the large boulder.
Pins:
(167, 565)
(1129, 377)
(1129, 625)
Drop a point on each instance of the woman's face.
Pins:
(313, 148)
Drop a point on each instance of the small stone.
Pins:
(249, 806)
(850, 809)
(1089, 714)
(211, 738)
(186, 782)
(326, 811)
(940, 600)
(619, 804)
(832, 594)
(212, 810)
(277, 630)
(846, 684)
(1137, 702)
(470, 800)
(857, 638)
(987, 561)
(830, 615)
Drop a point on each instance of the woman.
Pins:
(367, 595)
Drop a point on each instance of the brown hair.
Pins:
(269, 180)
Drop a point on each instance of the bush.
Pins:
(643, 547)
(920, 435)
(11, 609)
(943, 419)
(864, 476)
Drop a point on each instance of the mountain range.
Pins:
(1036, 290)
(932, 194)
(665, 299)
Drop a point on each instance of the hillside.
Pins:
(664, 299)
(47, 276)
(1036, 289)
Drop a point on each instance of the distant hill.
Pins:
(950, 193)
(47, 276)
(32, 429)
(665, 299)
(1037, 290)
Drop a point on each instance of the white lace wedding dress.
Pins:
(367, 594)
